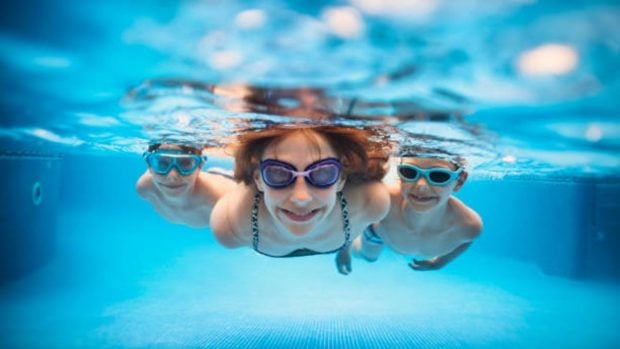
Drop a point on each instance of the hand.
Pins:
(424, 265)
(343, 261)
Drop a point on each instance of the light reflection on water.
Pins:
(506, 85)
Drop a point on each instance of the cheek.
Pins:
(444, 192)
(327, 196)
(405, 187)
(158, 177)
(274, 197)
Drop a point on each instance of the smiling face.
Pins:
(422, 195)
(300, 207)
(173, 183)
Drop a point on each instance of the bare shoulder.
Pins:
(217, 181)
(144, 186)
(371, 198)
(468, 219)
(230, 218)
(394, 191)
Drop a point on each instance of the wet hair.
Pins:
(354, 147)
(418, 151)
(185, 148)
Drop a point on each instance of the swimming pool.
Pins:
(86, 263)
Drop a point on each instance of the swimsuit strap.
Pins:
(255, 220)
(345, 219)
(343, 207)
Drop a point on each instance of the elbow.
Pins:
(224, 238)
(475, 229)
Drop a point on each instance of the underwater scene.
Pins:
(460, 164)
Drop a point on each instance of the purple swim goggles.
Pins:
(320, 174)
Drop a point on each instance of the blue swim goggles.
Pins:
(162, 161)
(434, 176)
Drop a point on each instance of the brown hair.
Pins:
(185, 148)
(353, 146)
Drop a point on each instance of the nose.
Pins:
(422, 184)
(174, 175)
(300, 194)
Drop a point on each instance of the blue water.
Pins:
(84, 262)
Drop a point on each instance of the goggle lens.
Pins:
(325, 175)
(439, 176)
(434, 176)
(321, 174)
(162, 163)
(277, 176)
(408, 173)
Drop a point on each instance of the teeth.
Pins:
(300, 214)
(306, 216)
(422, 197)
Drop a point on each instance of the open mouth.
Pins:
(300, 217)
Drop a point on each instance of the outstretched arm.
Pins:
(343, 260)
(469, 232)
(373, 202)
(439, 262)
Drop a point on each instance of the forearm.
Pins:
(441, 261)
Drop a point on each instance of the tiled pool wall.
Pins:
(569, 229)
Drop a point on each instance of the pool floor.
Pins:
(124, 284)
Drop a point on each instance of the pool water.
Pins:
(121, 276)
(84, 262)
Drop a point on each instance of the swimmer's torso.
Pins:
(328, 237)
(404, 237)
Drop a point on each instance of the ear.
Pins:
(258, 181)
(460, 181)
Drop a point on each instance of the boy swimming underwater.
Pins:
(424, 220)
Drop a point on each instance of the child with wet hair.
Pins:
(175, 186)
(425, 220)
(303, 190)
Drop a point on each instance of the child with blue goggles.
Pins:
(425, 219)
(175, 186)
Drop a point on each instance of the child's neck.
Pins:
(433, 217)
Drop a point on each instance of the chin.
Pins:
(174, 189)
(299, 231)
(422, 207)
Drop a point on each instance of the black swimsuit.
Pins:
(302, 251)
